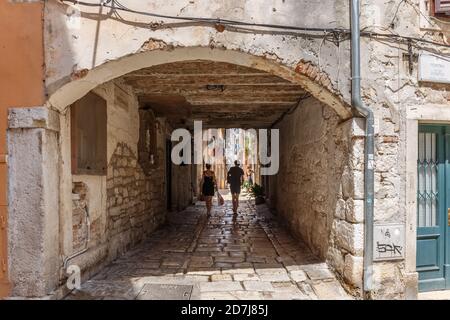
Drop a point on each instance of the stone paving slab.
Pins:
(248, 257)
(281, 277)
(166, 292)
(220, 286)
(298, 275)
(316, 274)
(245, 277)
(331, 290)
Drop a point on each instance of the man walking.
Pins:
(235, 178)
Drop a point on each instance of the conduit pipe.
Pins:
(86, 245)
(367, 113)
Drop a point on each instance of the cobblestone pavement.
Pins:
(224, 257)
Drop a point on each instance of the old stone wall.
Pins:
(126, 204)
(135, 200)
(80, 215)
(318, 189)
(346, 241)
(311, 166)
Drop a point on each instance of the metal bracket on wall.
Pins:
(410, 57)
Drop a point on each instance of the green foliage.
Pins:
(256, 191)
(247, 185)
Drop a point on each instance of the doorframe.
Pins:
(415, 115)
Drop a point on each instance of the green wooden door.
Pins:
(432, 204)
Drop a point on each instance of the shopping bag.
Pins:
(220, 199)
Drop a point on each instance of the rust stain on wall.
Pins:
(311, 71)
(79, 74)
(154, 44)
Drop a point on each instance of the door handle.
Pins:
(448, 217)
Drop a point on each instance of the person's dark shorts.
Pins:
(235, 189)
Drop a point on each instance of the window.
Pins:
(427, 186)
(441, 7)
(147, 145)
(88, 135)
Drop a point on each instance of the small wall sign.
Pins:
(389, 242)
(434, 68)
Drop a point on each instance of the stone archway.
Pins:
(157, 52)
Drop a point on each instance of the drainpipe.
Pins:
(367, 113)
(86, 248)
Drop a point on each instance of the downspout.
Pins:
(369, 148)
(86, 245)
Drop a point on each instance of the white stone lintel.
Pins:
(32, 118)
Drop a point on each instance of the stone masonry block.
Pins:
(353, 184)
(340, 209)
(336, 259)
(354, 212)
(353, 270)
(357, 154)
(349, 236)
(356, 127)
(31, 118)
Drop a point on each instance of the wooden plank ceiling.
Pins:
(222, 95)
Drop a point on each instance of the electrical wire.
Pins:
(440, 20)
(396, 13)
(319, 54)
(117, 6)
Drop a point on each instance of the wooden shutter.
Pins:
(89, 135)
(442, 7)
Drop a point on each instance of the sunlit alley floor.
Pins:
(224, 257)
(435, 295)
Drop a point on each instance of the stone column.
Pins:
(33, 192)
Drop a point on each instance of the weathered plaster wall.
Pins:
(80, 211)
(78, 47)
(96, 204)
(73, 51)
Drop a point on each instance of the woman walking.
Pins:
(208, 187)
(250, 175)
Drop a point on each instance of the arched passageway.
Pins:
(118, 183)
